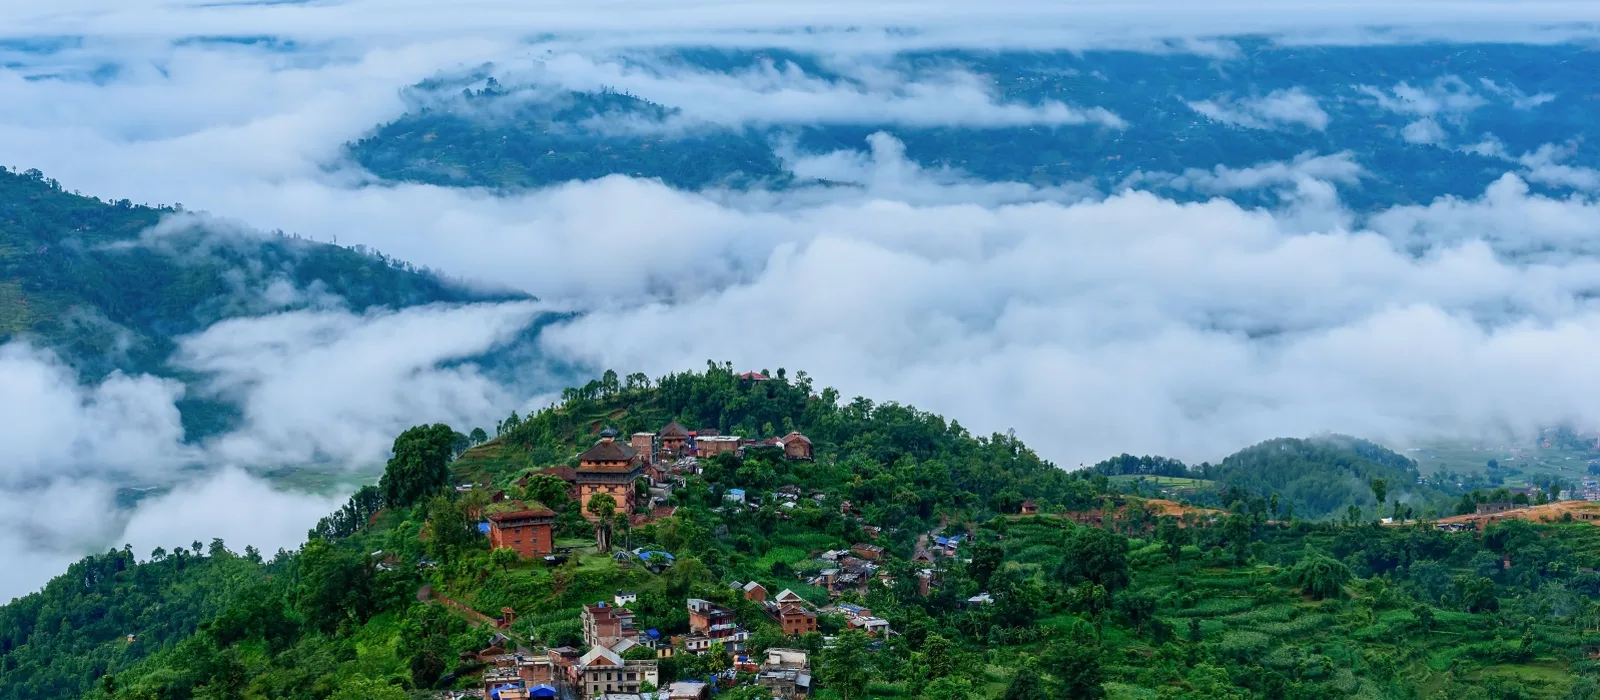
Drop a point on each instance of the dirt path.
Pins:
(922, 540)
(425, 594)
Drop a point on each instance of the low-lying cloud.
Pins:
(326, 387)
(1446, 101)
(1274, 110)
(863, 90)
(1091, 322)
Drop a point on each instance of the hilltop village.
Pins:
(641, 472)
(808, 546)
(619, 660)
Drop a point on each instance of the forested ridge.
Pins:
(1316, 478)
(505, 139)
(1102, 594)
(474, 131)
(84, 278)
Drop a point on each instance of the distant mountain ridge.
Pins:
(1422, 122)
(1319, 477)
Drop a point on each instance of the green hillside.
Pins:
(76, 276)
(1100, 595)
(1314, 478)
(506, 139)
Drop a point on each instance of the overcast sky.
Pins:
(1091, 323)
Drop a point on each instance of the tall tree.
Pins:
(1026, 685)
(1076, 667)
(420, 465)
(604, 507)
(504, 557)
(847, 665)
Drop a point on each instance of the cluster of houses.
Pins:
(614, 468)
(850, 570)
(606, 671)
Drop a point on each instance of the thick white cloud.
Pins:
(1141, 324)
(232, 505)
(1275, 110)
(1545, 166)
(338, 385)
(1092, 324)
(46, 527)
(49, 425)
(1446, 102)
(330, 386)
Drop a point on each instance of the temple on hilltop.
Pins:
(610, 467)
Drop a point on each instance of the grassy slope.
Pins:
(1250, 613)
(1527, 456)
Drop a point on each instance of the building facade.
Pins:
(602, 671)
(529, 531)
(607, 625)
(609, 467)
(796, 446)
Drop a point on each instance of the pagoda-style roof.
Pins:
(608, 450)
(674, 430)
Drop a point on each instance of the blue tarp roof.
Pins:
(542, 691)
(483, 528)
(653, 634)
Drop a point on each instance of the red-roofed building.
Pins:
(529, 530)
(796, 619)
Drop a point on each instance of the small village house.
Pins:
(607, 625)
(796, 446)
(672, 439)
(528, 530)
(755, 592)
(795, 619)
(870, 552)
(602, 671)
(786, 673)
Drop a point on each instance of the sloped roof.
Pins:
(791, 437)
(517, 510)
(562, 472)
(600, 656)
(673, 429)
(608, 451)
